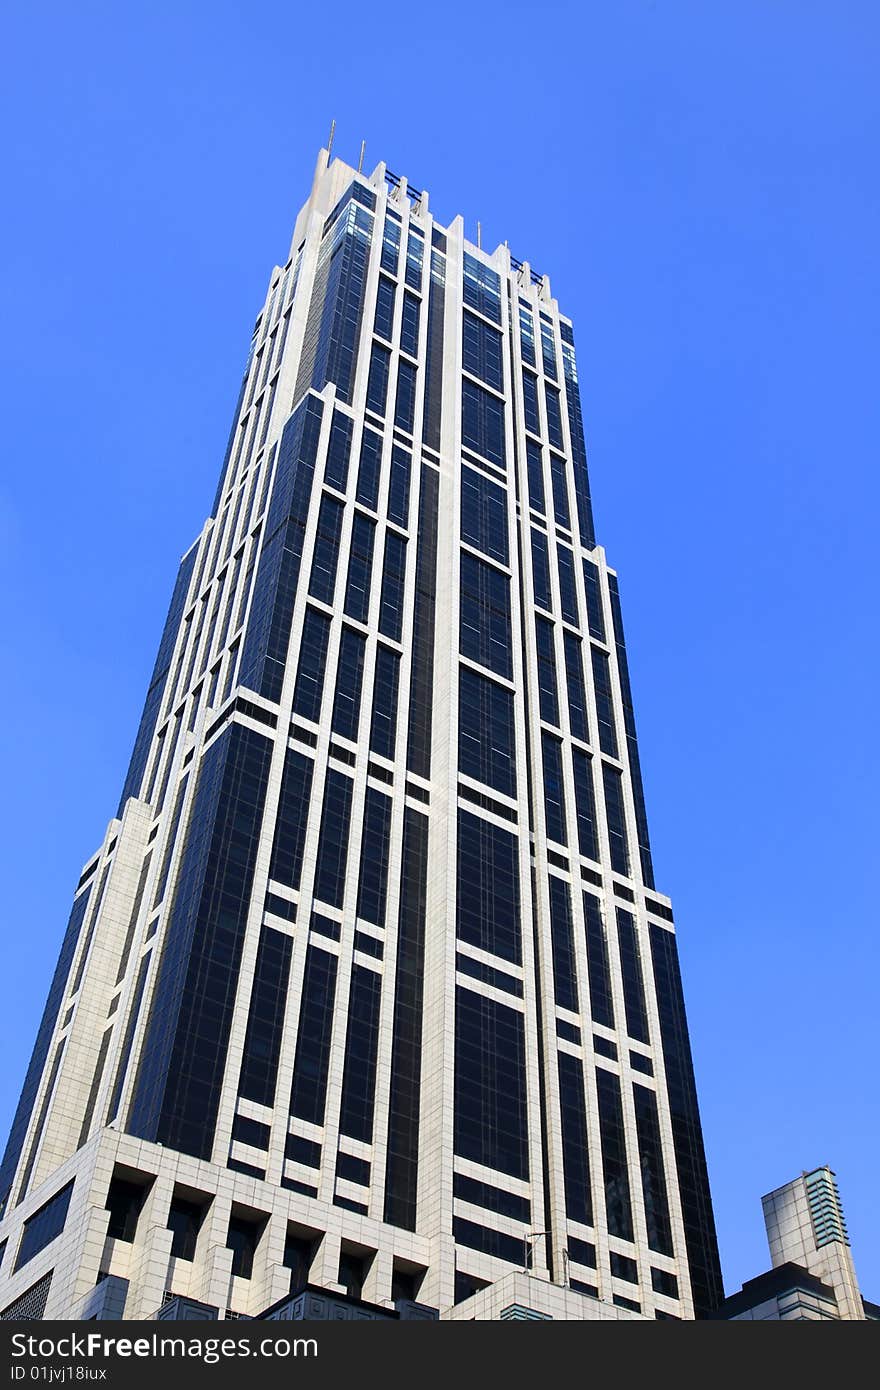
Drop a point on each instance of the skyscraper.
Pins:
(368, 986)
(813, 1277)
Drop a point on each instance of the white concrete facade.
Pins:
(644, 1210)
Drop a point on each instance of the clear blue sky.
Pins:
(700, 182)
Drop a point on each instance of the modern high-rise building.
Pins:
(813, 1277)
(368, 989)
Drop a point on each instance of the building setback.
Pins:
(369, 989)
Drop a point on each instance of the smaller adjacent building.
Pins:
(813, 1276)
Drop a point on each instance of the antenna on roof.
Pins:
(330, 141)
(479, 237)
(361, 160)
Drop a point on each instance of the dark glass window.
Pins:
(368, 945)
(301, 1150)
(578, 449)
(183, 1056)
(618, 1208)
(242, 1238)
(293, 813)
(484, 515)
(262, 1045)
(353, 1169)
(415, 254)
(309, 1091)
(312, 661)
(482, 288)
(585, 804)
(490, 1084)
(390, 245)
(547, 687)
(527, 335)
(377, 381)
(332, 334)
(620, 1302)
(575, 1161)
(530, 403)
(369, 468)
(434, 355)
(632, 745)
(535, 464)
(595, 613)
(185, 1221)
(690, 1158)
(616, 817)
(421, 695)
(481, 351)
(333, 839)
(548, 351)
(479, 970)
(405, 409)
(373, 882)
(409, 325)
(487, 899)
(554, 793)
(485, 615)
(622, 1267)
(393, 586)
(299, 1252)
(401, 1172)
(267, 635)
(44, 1226)
(653, 1177)
(361, 1049)
(554, 419)
(384, 321)
(567, 591)
(541, 570)
(360, 566)
(251, 1132)
(486, 732)
(601, 1003)
(577, 695)
(482, 422)
(349, 679)
(326, 926)
(633, 981)
(383, 729)
(326, 554)
(604, 702)
(398, 486)
(124, 1202)
(562, 938)
(664, 1282)
(338, 450)
(583, 1252)
(490, 1242)
(483, 1194)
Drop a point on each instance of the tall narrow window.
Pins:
(393, 584)
(547, 690)
(333, 839)
(349, 678)
(312, 661)
(377, 381)
(562, 939)
(554, 794)
(360, 565)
